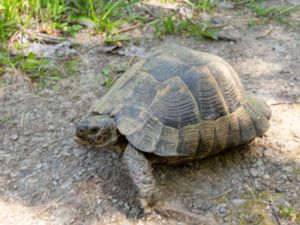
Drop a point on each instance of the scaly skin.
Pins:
(140, 171)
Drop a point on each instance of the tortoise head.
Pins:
(97, 130)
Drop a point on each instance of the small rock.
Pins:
(298, 178)
(259, 162)
(279, 189)
(65, 83)
(39, 166)
(294, 196)
(288, 169)
(51, 128)
(284, 177)
(14, 137)
(126, 207)
(254, 172)
(279, 48)
(222, 208)
(13, 174)
(133, 213)
(238, 201)
(99, 211)
(250, 219)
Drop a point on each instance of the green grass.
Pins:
(104, 15)
(178, 24)
(71, 67)
(110, 72)
(108, 17)
(290, 213)
(64, 15)
(56, 17)
(35, 68)
(279, 13)
(40, 71)
(172, 25)
(203, 5)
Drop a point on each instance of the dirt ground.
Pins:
(47, 178)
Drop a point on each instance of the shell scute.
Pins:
(174, 105)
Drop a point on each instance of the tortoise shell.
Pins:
(181, 102)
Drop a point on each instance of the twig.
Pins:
(241, 3)
(41, 36)
(131, 61)
(221, 195)
(150, 13)
(285, 103)
(45, 37)
(126, 29)
(22, 121)
(275, 214)
(251, 192)
(51, 204)
(116, 78)
(218, 26)
(265, 34)
(180, 210)
(32, 175)
(225, 38)
(270, 203)
(40, 97)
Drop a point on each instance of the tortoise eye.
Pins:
(94, 130)
(94, 113)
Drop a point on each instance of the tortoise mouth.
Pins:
(82, 141)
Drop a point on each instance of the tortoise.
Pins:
(173, 106)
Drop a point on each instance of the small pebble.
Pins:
(14, 137)
(51, 128)
(284, 177)
(266, 176)
(222, 208)
(238, 201)
(254, 172)
(279, 189)
(259, 162)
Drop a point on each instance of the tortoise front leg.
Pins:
(140, 172)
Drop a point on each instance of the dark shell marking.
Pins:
(180, 102)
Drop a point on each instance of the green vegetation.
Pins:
(111, 18)
(71, 66)
(173, 25)
(63, 15)
(279, 13)
(41, 71)
(57, 18)
(289, 213)
(111, 73)
(203, 5)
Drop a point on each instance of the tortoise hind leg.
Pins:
(140, 172)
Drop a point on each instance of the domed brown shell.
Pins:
(181, 102)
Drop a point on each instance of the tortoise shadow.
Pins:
(204, 178)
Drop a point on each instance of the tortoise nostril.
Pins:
(94, 130)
